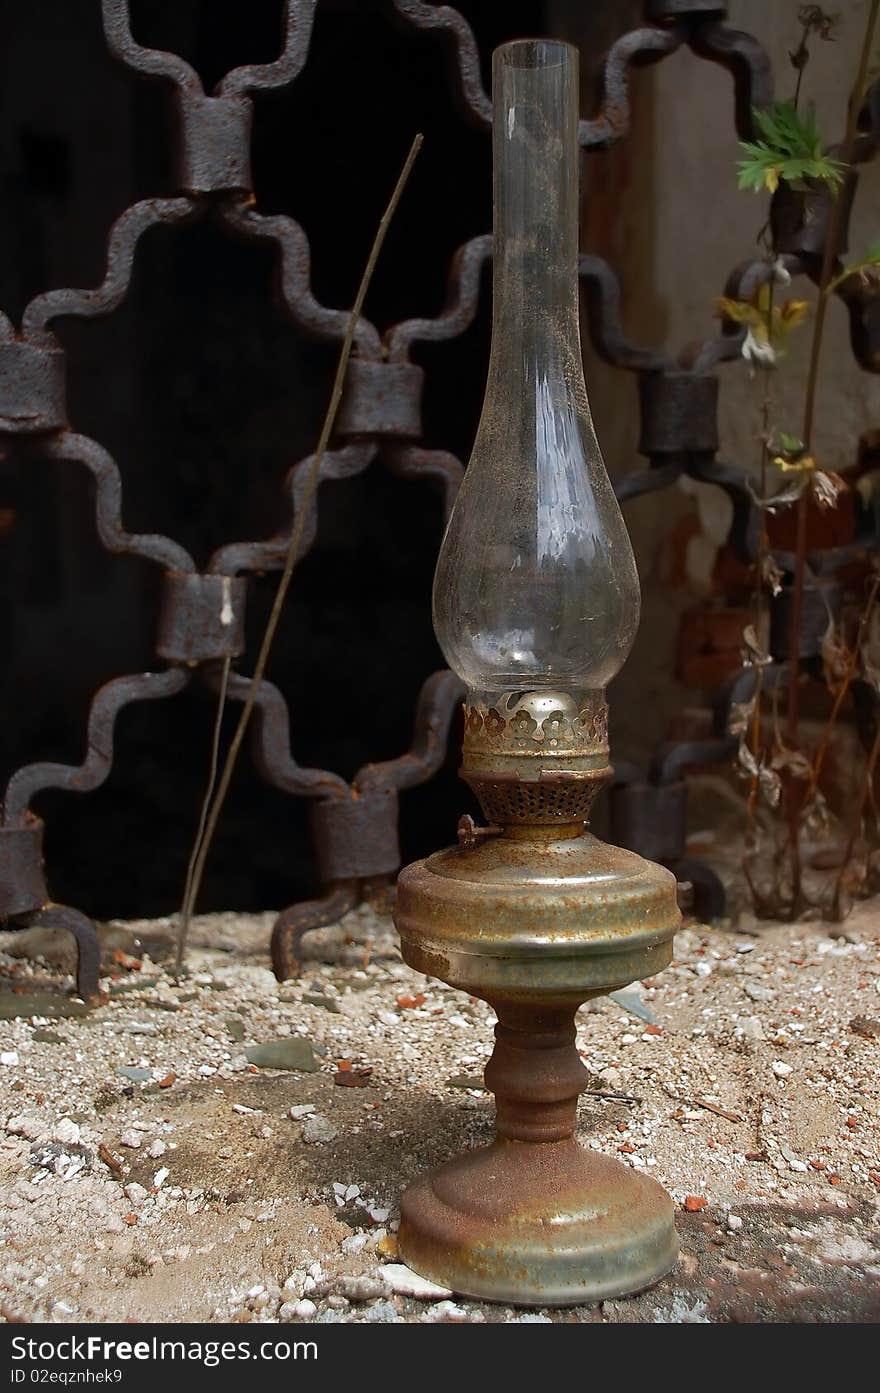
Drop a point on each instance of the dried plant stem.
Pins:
(752, 806)
(829, 258)
(203, 813)
(803, 54)
(837, 909)
(762, 553)
(208, 823)
(794, 798)
(843, 690)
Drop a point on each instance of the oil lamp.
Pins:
(536, 602)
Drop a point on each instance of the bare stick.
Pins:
(794, 800)
(712, 1107)
(615, 1097)
(843, 689)
(837, 909)
(829, 257)
(763, 553)
(701, 1103)
(203, 814)
(209, 826)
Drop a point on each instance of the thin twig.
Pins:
(713, 1107)
(113, 1163)
(763, 552)
(615, 1097)
(299, 523)
(843, 689)
(829, 257)
(701, 1103)
(794, 800)
(867, 787)
(203, 814)
(800, 58)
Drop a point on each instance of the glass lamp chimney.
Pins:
(536, 585)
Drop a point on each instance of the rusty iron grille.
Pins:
(201, 613)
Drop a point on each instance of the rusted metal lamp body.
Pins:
(536, 602)
(536, 916)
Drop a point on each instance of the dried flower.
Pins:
(771, 575)
(827, 487)
(768, 324)
(739, 718)
(753, 654)
(814, 18)
(767, 779)
(758, 351)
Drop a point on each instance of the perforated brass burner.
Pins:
(536, 757)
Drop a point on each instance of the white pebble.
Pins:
(31, 1128)
(67, 1132)
(447, 1312)
(405, 1282)
(300, 1110)
(9, 1057)
(318, 1129)
(156, 1149)
(305, 1309)
(364, 1288)
(780, 1069)
(750, 1028)
(131, 1138)
(293, 1284)
(794, 1161)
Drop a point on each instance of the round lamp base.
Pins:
(538, 1224)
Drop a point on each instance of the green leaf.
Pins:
(867, 269)
(790, 149)
(750, 176)
(792, 444)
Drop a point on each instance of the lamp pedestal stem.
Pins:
(534, 1218)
